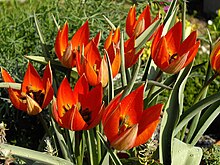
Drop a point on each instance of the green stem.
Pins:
(132, 81)
(99, 146)
(44, 124)
(183, 20)
(78, 138)
(153, 86)
(122, 69)
(68, 141)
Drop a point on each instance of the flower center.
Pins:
(35, 94)
(172, 58)
(124, 124)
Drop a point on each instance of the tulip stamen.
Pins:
(172, 58)
(86, 114)
(123, 124)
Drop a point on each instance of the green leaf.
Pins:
(110, 78)
(33, 155)
(91, 146)
(16, 86)
(171, 10)
(196, 108)
(110, 23)
(122, 69)
(207, 118)
(185, 154)
(132, 81)
(171, 116)
(170, 22)
(114, 157)
(142, 39)
(44, 60)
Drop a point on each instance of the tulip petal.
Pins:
(192, 53)
(132, 105)
(116, 63)
(55, 112)
(156, 41)
(130, 21)
(33, 107)
(16, 101)
(81, 37)
(146, 16)
(61, 42)
(161, 56)
(111, 123)
(97, 39)
(188, 43)
(173, 38)
(6, 76)
(108, 41)
(81, 89)
(32, 79)
(91, 102)
(111, 106)
(176, 65)
(91, 75)
(64, 97)
(215, 55)
(126, 140)
(47, 75)
(116, 36)
(103, 73)
(96, 117)
(48, 94)
(73, 120)
(148, 124)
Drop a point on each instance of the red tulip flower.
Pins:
(78, 109)
(131, 56)
(169, 53)
(126, 124)
(215, 58)
(112, 47)
(36, 92)
(92, 65)
(66, 51)
(137, 26)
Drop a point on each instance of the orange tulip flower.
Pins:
(78, 109)
(169, 53)
(131, 56)
(66, 51)
(112, 47)
(215, 58)
(126, 124)
(136, 27)
(36, 92)
(92, 65)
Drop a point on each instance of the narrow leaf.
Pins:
(196, 108)
(16, 86)
(207, 118)
(114, 157)
(142, 39)
(110, 23)
(33, 155)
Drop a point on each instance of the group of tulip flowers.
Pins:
(123, 115)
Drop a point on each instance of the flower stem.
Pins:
(78, 138)
(153, 86)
